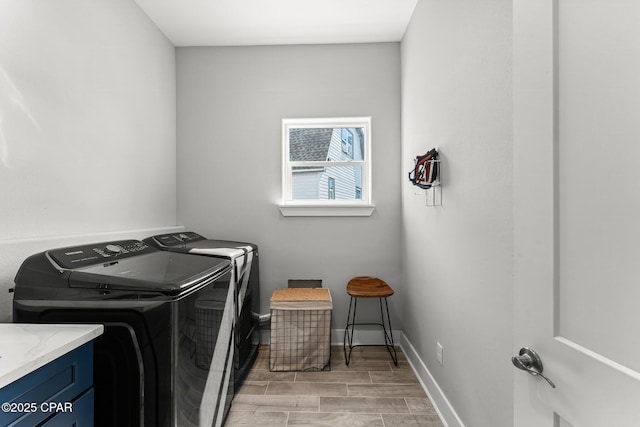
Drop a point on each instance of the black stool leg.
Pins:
(348, 338)
(388, 338)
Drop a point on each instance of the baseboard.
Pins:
(265, 336)
(337, 337)
(362, 337)
(446, 412)
(49, 242)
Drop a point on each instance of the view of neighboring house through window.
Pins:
(326, 161)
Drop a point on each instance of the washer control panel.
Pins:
(81, 256)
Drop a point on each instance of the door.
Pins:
(577, 211)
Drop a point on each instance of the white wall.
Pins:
(231, 101)
(458, 266)
(87, 125)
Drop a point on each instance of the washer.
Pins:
(246, 275)
(166, 356)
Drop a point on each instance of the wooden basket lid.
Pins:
(301, 294)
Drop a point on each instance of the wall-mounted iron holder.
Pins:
(433, 195)
(426, 175)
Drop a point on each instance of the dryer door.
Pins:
(204, 336)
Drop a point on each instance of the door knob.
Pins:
(529, 361)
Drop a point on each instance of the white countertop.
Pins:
(25, 347)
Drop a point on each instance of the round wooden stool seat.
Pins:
(368, 287)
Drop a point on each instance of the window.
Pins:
(347, 142)
(326, 167)
(332, 188)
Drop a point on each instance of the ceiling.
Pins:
(269, 22)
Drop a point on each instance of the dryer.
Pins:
(166, 356)
(246, 275)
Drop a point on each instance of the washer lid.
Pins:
(166, 272)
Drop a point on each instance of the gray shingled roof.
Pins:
(309, 144)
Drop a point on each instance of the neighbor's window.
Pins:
(332, 189)
(347, 142)
(327, 163)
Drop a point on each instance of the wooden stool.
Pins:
(368, 287)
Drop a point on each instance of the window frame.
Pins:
(332, 207)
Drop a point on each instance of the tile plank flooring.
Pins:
(371, 392)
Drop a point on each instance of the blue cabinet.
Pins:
(59, 394)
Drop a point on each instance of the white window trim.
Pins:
(363, 207)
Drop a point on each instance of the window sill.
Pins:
(315, 210)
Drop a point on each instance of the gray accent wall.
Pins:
(231, 101)
(458, 258)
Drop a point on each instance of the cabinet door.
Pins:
(60, 381)
(80, 416)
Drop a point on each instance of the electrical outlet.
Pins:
(440, 354)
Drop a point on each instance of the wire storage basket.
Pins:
(300, 330)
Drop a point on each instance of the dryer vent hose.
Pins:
(263, 319)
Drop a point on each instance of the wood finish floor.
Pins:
(371, 392)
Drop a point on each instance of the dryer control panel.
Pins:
(177, 239)
(96, 253)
